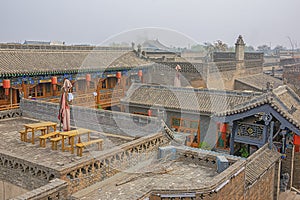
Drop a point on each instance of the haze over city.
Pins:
(93, 22)
(149, 99)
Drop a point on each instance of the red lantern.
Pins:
(149, 112)
(119, 75)
(223, 127)
(140, 73)
(6, 86)
(54, 82)
(296, 139)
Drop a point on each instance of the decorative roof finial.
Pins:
(269, 87)
(240, 40)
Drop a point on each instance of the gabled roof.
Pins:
(36, 42)
(258, 81)
(24, 62)
(155, 45)
(282, 99)
(195, 100)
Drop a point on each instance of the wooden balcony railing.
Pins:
(9, 107)
(107, 98)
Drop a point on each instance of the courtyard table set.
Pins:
(54, 136)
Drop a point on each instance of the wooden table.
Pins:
(71, 135)
(33, 127)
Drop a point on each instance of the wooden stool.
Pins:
(82, 145)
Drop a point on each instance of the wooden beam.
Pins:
(292, 166)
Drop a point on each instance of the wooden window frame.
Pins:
(184, 129)
(140, 113)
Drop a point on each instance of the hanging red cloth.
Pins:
(296, 139)
(64, 111)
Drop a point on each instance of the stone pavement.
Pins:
(134, 183)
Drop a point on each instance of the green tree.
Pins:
(264, 48)
(209, 47)
(277, 49)
(244, 152)
(249, 48)
(220, 46)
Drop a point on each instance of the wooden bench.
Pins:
(54, 142)
(46, 136)
(82, 145)
(24, 136)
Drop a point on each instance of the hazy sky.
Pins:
(94, 21)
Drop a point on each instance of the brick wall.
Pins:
(98, 120)
(235, 189)
(55, 190)
(263, 188)
(242, 86)
(296, 176)
(23, 173)
(8, 190)
(229, 184)
(286, 164)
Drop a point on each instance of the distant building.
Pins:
(32, 42)
(57, 43)
(220, 73)
(155, 45)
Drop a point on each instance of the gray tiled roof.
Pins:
(259, 81)
(198, 100)
(259, 163)
(32, 61)
(283, 99)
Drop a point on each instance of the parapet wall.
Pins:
(5, 114)
(23, 173)
(55, 190)
(98, 120)
(229, 184)
(230, 181)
